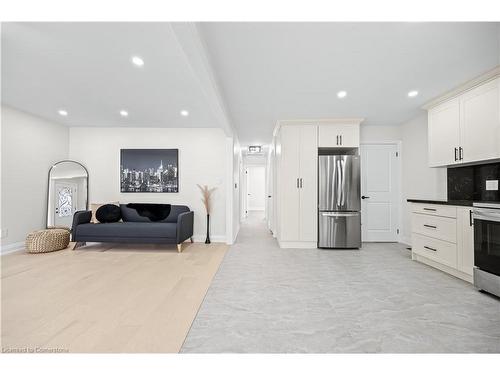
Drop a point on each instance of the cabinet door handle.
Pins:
(337, 140)
(297, 182)
(301, 182)
(471, 223)
(429, 209)
(460, 153)
(456, 149)
(429, 248)
(430, 226)
(341, 139)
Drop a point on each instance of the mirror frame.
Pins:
(48, 186)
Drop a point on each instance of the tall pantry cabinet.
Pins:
(297, 156)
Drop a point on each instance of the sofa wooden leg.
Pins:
(191, 238)
(179, 248)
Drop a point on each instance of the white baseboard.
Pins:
(12, 248)
(213, 238)
(405, 240)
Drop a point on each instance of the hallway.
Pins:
(265, 299)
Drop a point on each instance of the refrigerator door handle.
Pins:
(339, 214)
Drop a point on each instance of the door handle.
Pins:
(337, 140)
(456, 153)
(430, 226)
(297, 182)
(470, 218)
(429, 248)
(301, 182)
(460, 153)
(341, 139)
(364, 197)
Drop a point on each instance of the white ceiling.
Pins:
(246, 74)
(85, 68)
(271, 71)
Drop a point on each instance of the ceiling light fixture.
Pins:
(123, 113)
(62, 112)
(254, 149)
(136, 60)
(341, 94)
(184, 113)
(412, 93)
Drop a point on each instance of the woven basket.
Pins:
(47, 240)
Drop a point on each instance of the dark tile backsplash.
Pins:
(469, 183)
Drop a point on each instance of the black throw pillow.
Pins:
(153, 211)
(109, 213)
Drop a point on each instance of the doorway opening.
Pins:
(255, 186)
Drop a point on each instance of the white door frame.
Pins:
(399, 192)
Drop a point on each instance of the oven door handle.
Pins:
(486, 215)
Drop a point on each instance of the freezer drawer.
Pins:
(339, 230)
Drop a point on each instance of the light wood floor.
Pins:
(103, 298)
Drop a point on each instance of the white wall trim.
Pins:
(12, 248)
(405, 240)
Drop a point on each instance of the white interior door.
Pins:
(256, 192)
(380, 192)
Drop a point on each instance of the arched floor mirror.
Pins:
(68, 192)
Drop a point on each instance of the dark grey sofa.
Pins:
(176, 228)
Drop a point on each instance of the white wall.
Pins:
(30, 146)
(202, 160)
(418, 180)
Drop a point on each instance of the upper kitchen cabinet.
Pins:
(444, 133)
(466, 127)
(341, 134)
(480, 123)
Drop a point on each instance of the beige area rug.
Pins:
(105, 298)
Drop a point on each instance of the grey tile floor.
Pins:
(270, 300)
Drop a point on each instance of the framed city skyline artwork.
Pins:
(149, 170)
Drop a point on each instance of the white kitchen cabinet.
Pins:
(466, 128)
(297, 186)
(479, 123)
(338, 135)
(442, 237)
(289, 193)
(465, 240)
(444, 133)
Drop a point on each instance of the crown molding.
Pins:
(479, 80)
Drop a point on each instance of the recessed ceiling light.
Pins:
(184, 113)
(412, 93)
(341, 94)
(123, 113)
(136, 60)
(62, 112)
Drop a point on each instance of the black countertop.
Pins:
(447, 202)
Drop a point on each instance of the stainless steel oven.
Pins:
(487, 247)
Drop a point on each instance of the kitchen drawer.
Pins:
(442, 228)
(437, 250)
(435, 209)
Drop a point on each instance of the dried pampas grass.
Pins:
(206, 196)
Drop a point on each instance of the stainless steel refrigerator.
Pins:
(339, 206)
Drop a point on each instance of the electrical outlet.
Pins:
(4, 233)
(491, 184)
